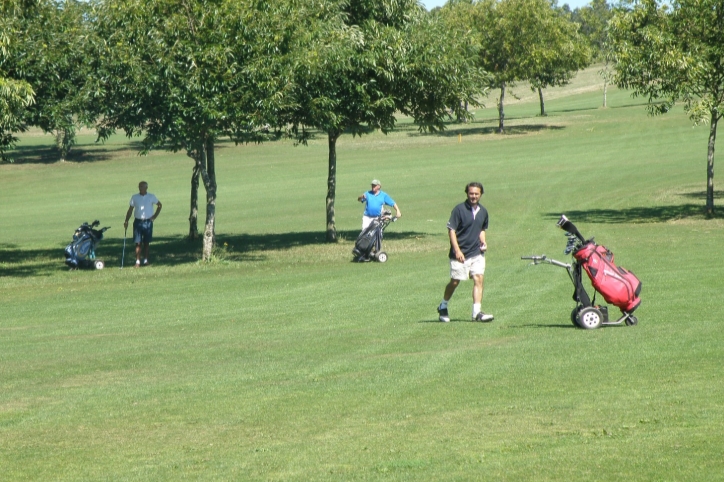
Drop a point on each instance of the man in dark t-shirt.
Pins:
(466, 229)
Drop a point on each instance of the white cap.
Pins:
(376, 182)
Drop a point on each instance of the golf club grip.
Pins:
(569, 227)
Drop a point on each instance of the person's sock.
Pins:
(443, 304)
(476, 309)
(138, 261)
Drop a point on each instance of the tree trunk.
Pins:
(542, 104)
(501, 113)
(209, 177)
(194, 211)
(461, 118)
(604, 73)
(332, 137)
(710, 166)
(59, 144)
(64, 140)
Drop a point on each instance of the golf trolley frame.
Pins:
(587, 314)
(368, 246)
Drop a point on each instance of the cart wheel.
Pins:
(99, 264)
(574, 315)
(632, 320)
(590, 318)
(382, 257)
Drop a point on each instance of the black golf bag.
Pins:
(81, 252)
(368, 246)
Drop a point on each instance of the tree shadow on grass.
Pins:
(244, 243)
(16, 261)
(642, 103)
(467, 129)
(169, 251)
(582, 109)
(637, 215)
(702, 195)
(49, 155)
(572, 109)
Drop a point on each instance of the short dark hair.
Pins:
(474, 184)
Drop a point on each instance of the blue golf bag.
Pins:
(81, 252)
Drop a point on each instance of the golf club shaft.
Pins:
(123, 256)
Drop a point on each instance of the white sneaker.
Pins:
(483, 317)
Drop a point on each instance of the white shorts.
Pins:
(471, 266)
(366, 220)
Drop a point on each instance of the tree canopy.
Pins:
(15, 94)
(521, 40)
(593, 19)
(184, 75)
(374, 59)
(50, 56)
(670, 52)
(560, 51)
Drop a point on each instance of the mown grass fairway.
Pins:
(282, 360)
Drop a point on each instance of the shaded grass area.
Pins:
(45, 155)
(654, 214)
(17, 261)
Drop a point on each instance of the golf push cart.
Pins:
(368, 246)
(618, 286)
(81, 252)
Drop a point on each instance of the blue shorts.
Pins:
(142, 231)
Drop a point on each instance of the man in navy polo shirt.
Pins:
(376, 199)
(466, 229)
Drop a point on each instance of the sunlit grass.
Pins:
(283, 360)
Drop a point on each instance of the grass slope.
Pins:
(282, 360)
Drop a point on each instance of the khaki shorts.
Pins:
(471, 266)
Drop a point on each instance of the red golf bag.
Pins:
(618, 286)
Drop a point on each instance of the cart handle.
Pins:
(543, 259)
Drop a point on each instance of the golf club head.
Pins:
(572, 244)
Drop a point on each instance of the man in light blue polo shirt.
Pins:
(375, 199)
